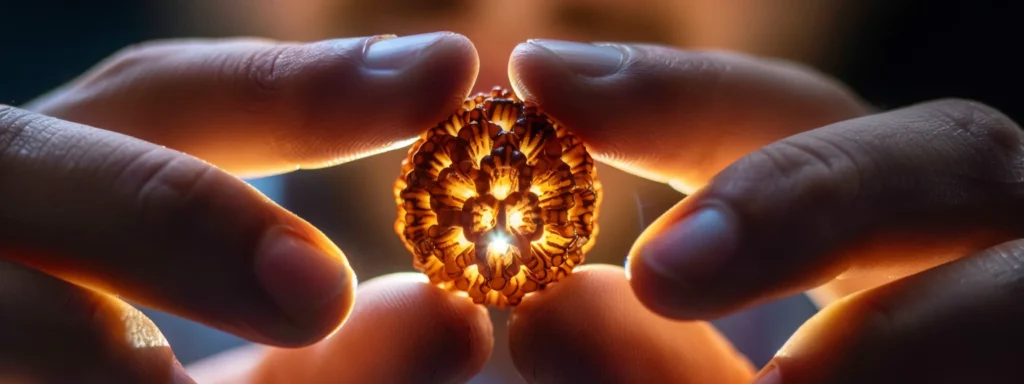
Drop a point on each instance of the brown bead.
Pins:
(498, 200)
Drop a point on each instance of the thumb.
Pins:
(671, 115)
(256, 107)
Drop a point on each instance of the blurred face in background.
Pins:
(796, 29)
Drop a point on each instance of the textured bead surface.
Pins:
(497, 201)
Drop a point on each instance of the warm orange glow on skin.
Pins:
(497, 201)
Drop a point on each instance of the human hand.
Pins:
(558, 335)
(905, 221)
(401, 330)
(99, 192)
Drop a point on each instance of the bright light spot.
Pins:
(499, 245)
(536, 190)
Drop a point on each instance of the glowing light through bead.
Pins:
(497, 201)
(499, 245)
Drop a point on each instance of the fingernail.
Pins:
(590, 60)
(769, 375)
(695, 248)
(301, 278)
(389, 52)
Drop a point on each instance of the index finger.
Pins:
(670, 115)
(164, 230)
(255, 107)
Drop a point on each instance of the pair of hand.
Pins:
(794, 184)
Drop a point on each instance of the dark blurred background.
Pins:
(893, 53)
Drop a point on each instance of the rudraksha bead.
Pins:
(498, 200)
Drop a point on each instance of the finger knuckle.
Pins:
(301, 81)
(265, 69)
(298, 80)
(803, 171)
(170, 190)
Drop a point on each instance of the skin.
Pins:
(903, 285)
(252, 268)
(925, 196)
(914, 210)
(792, 29)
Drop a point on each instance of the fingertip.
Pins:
(323, 103)
(440, 80)
(536, 74)
(455, 49)
(403, 318)
(594, 317)
(309, 280)
(670, 297)
(544, 327)
(650, 288)
(590, 280)
(451, 58)
(663, 272)
(214, 247)
(522, 56)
